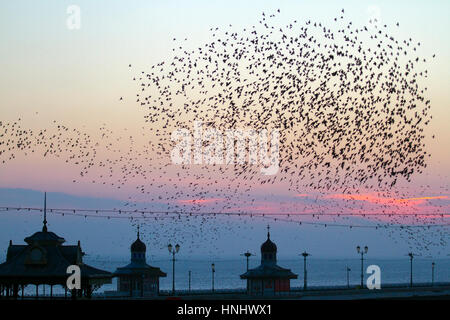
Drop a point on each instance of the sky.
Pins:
(76, 77)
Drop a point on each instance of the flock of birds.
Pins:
(348, 102)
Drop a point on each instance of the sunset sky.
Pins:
(77, 77)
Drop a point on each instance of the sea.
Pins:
(321, 272)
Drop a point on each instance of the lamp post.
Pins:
(362, 253)
(305, 282)
(411, 257)
(348, 277)
(247, 255)
(432, 273)
(213, 269)
(173, 251)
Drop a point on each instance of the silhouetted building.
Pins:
(268, 278)
(138, 279)
(44, 260)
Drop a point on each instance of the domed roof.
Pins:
(138, 246)
(268, 246)
(44, 237)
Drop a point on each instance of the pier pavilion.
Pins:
(137, 279)
(44, 260)
(268, 278)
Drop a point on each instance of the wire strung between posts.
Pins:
(73, 212)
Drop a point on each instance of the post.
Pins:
(432, 273)
(348, 277)
(305, 272)
(173, 250)
(305, 282)
(411, 256)
(247, 261)
(15, 291)
(362, 251)
(131, 286)
(173, 272)
(189, 281)
(411, 280)
(362, 270)
(213, 271)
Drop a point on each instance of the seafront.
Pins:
(389, 291)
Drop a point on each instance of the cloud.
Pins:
(382, 200)
(423, 198)
(199, 201)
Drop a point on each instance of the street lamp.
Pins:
(411, 257)
(432, 273)
(213, 269)
(173, 251)
(305, 283)
(362, 253)
(348, 276)
(247, 255)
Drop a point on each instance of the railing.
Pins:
(316, 289)
(294, 291)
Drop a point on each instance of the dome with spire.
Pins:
(138, 245)
(268, 246)
(138, 278)
(268, 250)
(45, 237)
(268, 278)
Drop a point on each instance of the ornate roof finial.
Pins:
(44, 228)
(268, 232)
(138, 231)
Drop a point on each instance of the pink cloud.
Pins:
(199, 201)
(383, 201)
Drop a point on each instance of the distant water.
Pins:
(321, 272)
